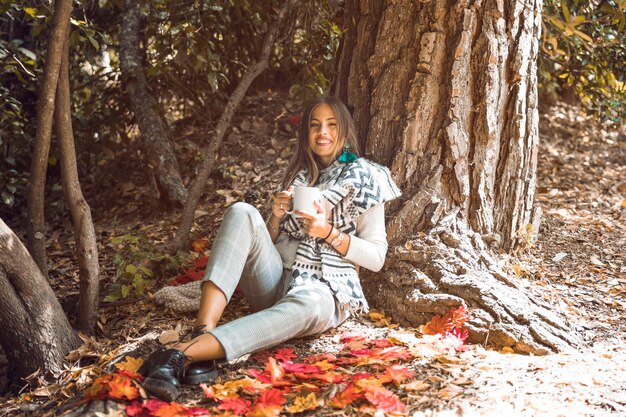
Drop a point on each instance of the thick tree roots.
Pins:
(452, 266)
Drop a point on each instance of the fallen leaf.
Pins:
(416, 386)
(300, 404)
(129, 364)
(169, 336)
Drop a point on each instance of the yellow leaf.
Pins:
(300, 404)
(31, 11)
(129, 364)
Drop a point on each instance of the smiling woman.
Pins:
(299, 272)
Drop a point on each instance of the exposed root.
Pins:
(452, 266)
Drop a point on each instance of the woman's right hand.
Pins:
(282, 202)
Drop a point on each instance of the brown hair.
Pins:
(303, 157)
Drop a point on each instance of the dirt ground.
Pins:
(578, 265)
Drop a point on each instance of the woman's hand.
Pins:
(282, 202)
(314, 224)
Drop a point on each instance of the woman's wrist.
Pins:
(274, 223)
(330, 231)
(333, 235)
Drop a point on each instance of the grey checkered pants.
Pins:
(243, 254)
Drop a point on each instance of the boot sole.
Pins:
(201, 378)
(160, 389)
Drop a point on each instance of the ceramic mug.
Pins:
(303, 198)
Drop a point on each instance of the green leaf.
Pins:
(146, 271)
(565, 9)
(111, 298)
(139, 285)
(125, 290)
(93, 42)
(130, 269)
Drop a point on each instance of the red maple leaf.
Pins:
(260, 376)
(137, 409)
(380, 343)
(459, 333)
(458, 316)
(284, 354)
(201, 262)
(302, 368)
(349, 337)
(394, 353)
(237, 406)
(271, 397)
(384, 400)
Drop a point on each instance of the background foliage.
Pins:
(196, 50)
(584, 54)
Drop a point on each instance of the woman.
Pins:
(298, 271)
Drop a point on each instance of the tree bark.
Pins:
(197, 188)
(35, 332)
(445, 93)
(84, 233)
(36, 228)
(158, 149)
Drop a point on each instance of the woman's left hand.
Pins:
(314, 224)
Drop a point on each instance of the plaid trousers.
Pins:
(243, 254)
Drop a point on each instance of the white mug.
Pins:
(303, 198)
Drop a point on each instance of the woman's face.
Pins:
(323, 132)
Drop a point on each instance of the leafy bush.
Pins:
(583, 49)
(132, 276)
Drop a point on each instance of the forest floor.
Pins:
(578, 265)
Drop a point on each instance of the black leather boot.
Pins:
(166, 370)
(149, 362)
(200, 372)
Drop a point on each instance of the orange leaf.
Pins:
(129, 364)
(269, 404)
(199, 245)
(98, 388)
(345, 397)
(325, 365)
(300, 404)
(122, 388)
(274, 370)
(437, 325)
(172, 410)
(264, 410)
(398, 374)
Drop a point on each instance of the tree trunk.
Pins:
(445, 93)
(199, 185)
(36, 228)
(35, 333)
(84, 233)
(161, 159)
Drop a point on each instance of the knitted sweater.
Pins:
(368, 246)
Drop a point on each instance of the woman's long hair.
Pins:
(303, 157)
